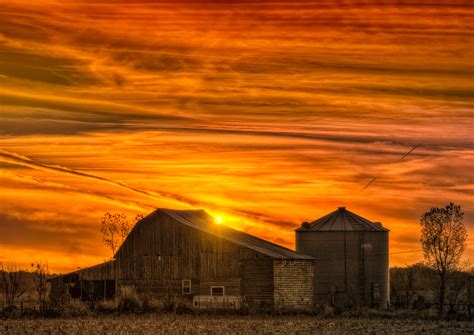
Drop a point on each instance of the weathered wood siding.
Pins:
(161, 252)
(257, 282)
(293, 284)
(232, 285)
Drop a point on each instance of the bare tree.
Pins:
(139, 217)
(12, 283)
(470, 294)
(396, 287)
(115, 228)
(456, 290)
(41, 271)
(443, 239)
(410, 277)
(402, 283)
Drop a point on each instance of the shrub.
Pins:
(70, 309)
(178, 305)
(11, 312)
(106, 307)
(129, 301)
(328, 311)
(152, 304)
(129, 305)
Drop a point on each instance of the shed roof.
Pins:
(106, 271)
(342, 220)
(201, 220)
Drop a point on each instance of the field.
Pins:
(188, 324)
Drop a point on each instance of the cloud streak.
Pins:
(25, 161)
(158, 196)
(276, 113)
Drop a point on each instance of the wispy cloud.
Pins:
(25, 161)
(276, 113)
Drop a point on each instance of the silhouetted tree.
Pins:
(443, 239)
(115, 228)
(470, 293)
(12, 283)
(41, 271)
(457, 289)
(110, 231)
(402, 284)
(139, 217)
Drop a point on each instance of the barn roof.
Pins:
(201, 220)
(342, 220)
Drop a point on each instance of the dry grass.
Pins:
(189, 324)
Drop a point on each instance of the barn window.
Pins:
(217, 290)
(186, 286)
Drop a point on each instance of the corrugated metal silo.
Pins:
(352, 259)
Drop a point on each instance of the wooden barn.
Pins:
(185, 253)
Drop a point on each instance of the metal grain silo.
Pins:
(352, 259)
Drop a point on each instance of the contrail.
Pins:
(14, 158)
(409, 152)
(404, 156)
(25, 161)
(29, 179)
(370, 183)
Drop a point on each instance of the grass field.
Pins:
(187, 324)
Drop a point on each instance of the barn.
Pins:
(185, 253)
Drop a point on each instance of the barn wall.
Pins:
(232, 286)
(257, 282)
(161, 252)
(293, 284)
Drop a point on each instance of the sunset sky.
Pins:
(265, 113)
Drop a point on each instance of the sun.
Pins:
(219, 219)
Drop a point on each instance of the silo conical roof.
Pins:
(342, 220)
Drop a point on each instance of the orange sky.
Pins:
(267, 113)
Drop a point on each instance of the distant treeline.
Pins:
(413, 287)
(416, 287)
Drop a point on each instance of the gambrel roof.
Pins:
(200, 219)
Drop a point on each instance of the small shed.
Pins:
(186, 253)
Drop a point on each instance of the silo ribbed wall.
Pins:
(351, 268)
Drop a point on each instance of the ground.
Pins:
(187, 324)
